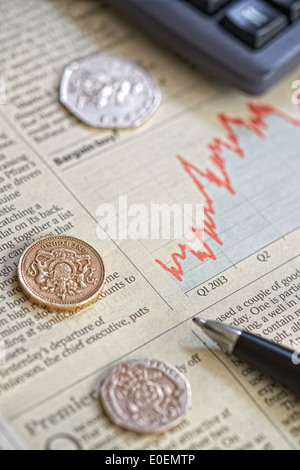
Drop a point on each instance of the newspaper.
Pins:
(236, 156)
(9, 440)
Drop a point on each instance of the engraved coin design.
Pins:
(145, 396)
(107, 91)
(61, 273)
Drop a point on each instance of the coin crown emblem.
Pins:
(62, 271)
(146, 396)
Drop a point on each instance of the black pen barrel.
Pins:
(274, 360)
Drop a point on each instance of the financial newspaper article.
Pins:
(208, 145)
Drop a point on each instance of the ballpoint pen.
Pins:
(274, 360)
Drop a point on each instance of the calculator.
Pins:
(250, 44)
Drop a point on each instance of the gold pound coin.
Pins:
(61, 273)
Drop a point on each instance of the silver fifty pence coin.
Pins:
(110, 92)
(145, 396)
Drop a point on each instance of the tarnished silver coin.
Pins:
(145, 396)
(107, 91)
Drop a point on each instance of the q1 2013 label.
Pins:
(215, 284)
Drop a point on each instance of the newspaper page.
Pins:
(9, 440)
(236, 156)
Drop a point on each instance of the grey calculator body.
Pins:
(210, 43)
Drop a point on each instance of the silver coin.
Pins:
(145, 396)
(107, 91)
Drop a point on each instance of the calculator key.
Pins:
(254, 22)
(290, 7)
(209, 6)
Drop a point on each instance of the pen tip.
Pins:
(199, 321)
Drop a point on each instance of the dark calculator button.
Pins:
(254, 22)
(290, 7)
(209, 6)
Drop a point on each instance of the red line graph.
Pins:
(255, 123)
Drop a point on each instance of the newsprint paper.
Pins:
(208, 145)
